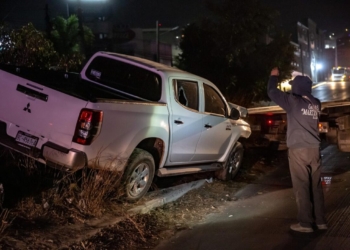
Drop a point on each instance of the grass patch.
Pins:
(35, 192)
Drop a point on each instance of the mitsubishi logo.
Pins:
(27, 108)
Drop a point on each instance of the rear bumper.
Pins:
(69, 159)
(51, 154)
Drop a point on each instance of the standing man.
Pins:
(303, 142)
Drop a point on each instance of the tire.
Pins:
(234, 161)
(138, 175)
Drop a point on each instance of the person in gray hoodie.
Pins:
(303, 142)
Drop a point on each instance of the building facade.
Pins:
(343, 50)
(157, 44)
(337, 51)
(309, 57)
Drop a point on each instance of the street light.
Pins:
(86, 1)
(318, 68)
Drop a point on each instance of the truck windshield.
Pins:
(338, 71)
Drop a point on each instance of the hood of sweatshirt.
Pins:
(301, 85)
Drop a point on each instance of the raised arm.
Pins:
(276, 95)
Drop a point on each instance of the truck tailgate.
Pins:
(35, 114)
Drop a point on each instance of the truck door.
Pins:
(185, 120)
(216, 127)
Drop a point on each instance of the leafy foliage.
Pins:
(29, 47)
(26, 47)
(65, 35)
(231, 49)
(68, 43)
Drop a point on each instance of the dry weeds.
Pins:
(54, 213)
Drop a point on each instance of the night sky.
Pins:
(332, 16)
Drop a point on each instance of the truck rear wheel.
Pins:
(234, 161)
(138, 175)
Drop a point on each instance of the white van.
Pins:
(340, 74)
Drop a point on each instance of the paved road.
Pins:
(326, 92)
(260, 219)
(331, 91)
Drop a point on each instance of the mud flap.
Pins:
(221, 174)
(225, 173)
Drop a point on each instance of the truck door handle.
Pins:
(207, 126)
(178, 122)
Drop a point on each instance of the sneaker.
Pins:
(299, 228)
(322, 227)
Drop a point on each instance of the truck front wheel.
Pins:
(138, 175)
(234, 161)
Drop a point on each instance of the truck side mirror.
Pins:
(234, 114)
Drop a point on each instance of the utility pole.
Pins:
(81, 28)
(48, 21)
(67, 10)
(301, 58)
(157, 42)
(336, 53)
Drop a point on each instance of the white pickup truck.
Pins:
(125, 114)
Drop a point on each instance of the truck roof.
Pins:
(152, 65)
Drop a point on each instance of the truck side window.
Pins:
(125, 77)
(186, 93)
(213, 101)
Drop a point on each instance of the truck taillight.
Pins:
(88, 126)
(323, 127)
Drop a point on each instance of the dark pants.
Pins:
(305, 170)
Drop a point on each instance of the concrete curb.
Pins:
(161, 197)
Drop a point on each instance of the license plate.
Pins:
(255, 127)
(26, 139)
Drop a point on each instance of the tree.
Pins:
(230, 49)
(29, 47)
(67, 41)
(253, 71)
(4, 36)
(26, 47)
(198, 52)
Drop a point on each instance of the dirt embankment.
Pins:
(44, 210)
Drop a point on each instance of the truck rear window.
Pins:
(126, 78)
